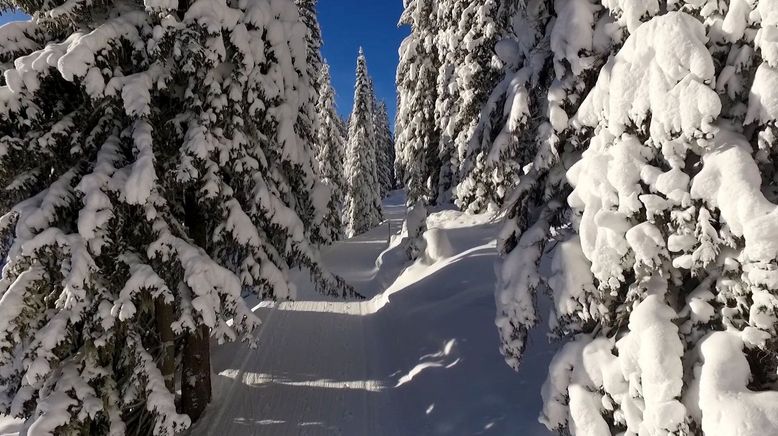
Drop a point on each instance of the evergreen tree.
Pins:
(418, 134)
(363, 200)
(487, 169)
(454, 44)
(151, 174)
(448, 41)
(331, 151)
(325, 226)
(384, 150)
(552, 63)
(663, 275)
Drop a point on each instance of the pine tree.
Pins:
(323, 216)
(417, 131)
(363, 201)
(449, 43)
(488, 171)
(331, 151)
(384, 149)
(527, 121)
(663, 274)
(151, 174)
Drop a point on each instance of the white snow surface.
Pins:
(10, 426)
(417, 357)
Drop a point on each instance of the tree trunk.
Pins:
(167, 361)
(196, 359)
(196, 370)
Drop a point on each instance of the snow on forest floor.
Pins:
(9, 426)
(418, 357)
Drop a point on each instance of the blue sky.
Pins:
(347, 25)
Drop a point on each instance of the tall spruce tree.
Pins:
(418, 133)
(663, 277)
(151, 174)
(324, 222)
(384, 149)
(363, 200)
(552, 63)
(487, 169)
(448, 40)
(331, 150)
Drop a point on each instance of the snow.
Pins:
(418, 357)
(728, 406)
(143, 177)
(10, 426)
(570, 279)
(730, 181)
(763, 101)
(572, 36)
(668, 54)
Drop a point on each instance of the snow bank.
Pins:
(438, 247)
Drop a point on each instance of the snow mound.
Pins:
(438, 246)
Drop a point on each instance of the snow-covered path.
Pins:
(311, 373)
(418, 357)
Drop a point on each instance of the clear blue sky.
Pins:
(347, 25)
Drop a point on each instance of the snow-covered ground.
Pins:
(419, 356)
(9, 426)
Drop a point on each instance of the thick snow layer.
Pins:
(763, 101)
(572, 35)
(728, 406)
(730, 181)
(418, 357)
(571, 278)
(668, 56)
(10, 426)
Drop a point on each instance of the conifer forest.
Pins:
(388, 217)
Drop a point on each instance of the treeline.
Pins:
(632, 145)
(159, 162)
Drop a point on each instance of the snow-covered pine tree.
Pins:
(331, 150)
(363, 199)
(384, 143)
(447, 40)
(323, 212)
(551, 62)
(668, 287)
(488, 170)
(417, 131)
(381, 176)
(151, 174)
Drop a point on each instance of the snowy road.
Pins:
(418, 357)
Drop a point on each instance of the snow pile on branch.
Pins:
(671, 62)
(726, 403)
